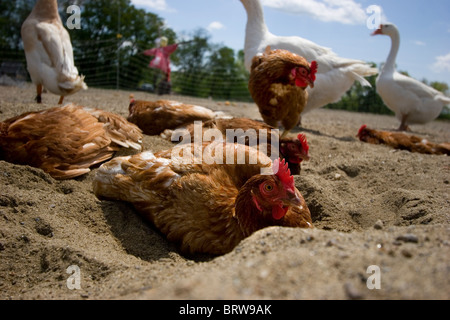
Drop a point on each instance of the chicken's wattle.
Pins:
(300, 83)
(278, 212)
(295, 160)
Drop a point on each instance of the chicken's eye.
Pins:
(303, 72)
(292, 147)
(268, 187)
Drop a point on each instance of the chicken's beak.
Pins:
(301, 156)
(292, 199)
(304, 156)
(311, 83)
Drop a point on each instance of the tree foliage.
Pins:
(210, 70)
(111, 38)
(191, 72)
(12, 16)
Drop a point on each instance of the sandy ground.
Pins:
(371, 205)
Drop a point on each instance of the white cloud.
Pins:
(160, 5)
(419, 43)
(216, 25)
(343, 11)
(442, 64)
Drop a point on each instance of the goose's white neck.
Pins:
(395, 46)
(256, 26)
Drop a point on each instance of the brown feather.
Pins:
(153, 117)
(402, 141)
(245, 124)
(63, 141)
(277, 97)
(204, 208)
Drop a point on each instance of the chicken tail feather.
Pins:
(111, 180)
(361, 80)
(120, 178)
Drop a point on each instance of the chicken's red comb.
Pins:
(314, 66)
(302, 138)
(361, 130)
(284, 174)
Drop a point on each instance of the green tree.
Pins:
(240, 89)
(12, 15)
(190, 76)
(210, 70)
(221, 72)
(439, 86)
(442, 87)
(108, 47)
(229, 78)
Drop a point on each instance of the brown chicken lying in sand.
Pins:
(203, 206)
(402, 141)
(154, 117)
(278, 79)
(247, 131)
(66, 141)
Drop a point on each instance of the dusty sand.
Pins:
(371, 205)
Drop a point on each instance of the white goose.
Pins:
(412, 101)
(49, 52)
(335, 75)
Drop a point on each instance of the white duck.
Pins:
(412, 101)
(49, 52)
(335, 75)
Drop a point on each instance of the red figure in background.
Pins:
(162, 62)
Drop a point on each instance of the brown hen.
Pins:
(66, 141)
(277, 83)
(257, 134)
(203, 206)
(154, 117)
(402, 141)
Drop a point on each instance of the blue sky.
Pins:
(338, 24)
